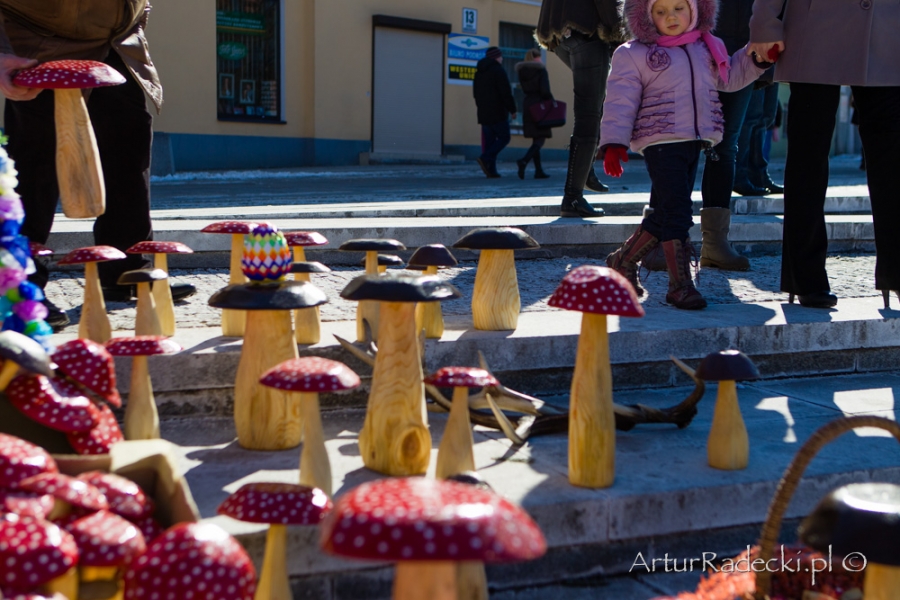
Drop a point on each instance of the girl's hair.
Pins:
(532, 54)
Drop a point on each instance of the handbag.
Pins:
(548, 113)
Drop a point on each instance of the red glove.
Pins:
(615, 155)
(773, 53)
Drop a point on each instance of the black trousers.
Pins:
(123, 128)
(673, 171)
(588, 57)
(812, 112)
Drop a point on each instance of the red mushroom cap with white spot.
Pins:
(150, 527)
(277, 504)
(142, 345)
(33, 552)
(469, 377)
(37, 249)
(106, 540)
(54, 403)
(310, 374)
(99, 439)
(91, 254)
(230, 227)
(305, 238)
(69, 74)
(192, 560)
(26, 504)
(598, 290)
(153, 247)
(415, 518)
(68, 489)
(20, 460)
(33, 596)
(125, 497)
(90, 364)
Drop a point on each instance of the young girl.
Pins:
(662, 100)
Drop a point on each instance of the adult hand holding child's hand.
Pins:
(615, 155)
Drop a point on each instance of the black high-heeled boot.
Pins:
(581, 158)
(538, 171)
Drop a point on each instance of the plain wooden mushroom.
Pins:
(595, 292)
(307, 321)
(428, 526)
(79, 174)
(279, 505)
(384, 261)
(50, 551)
(146, 318)
(162, 294)
(394, 439)
(90, 365)
(94, 323)
(141, 417)
(728, 447)
(233, 322)
(20, 352)
(107, 543)
(367, 311)
(429, 315)
(495, 298)
(266, 418)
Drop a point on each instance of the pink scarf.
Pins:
(715, 45)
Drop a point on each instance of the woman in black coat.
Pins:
(536, 86)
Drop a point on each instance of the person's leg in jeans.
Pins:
(537, 144)
(757, 162)
(742, 183)
(497, 137)
(488, 140)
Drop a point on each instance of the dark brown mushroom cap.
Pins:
(310, 374)
(142, 345)
(20, 460)
(125, 497)
(91, 254)
(277, 504)
(91, 365)
(52, 402)
(399, 288)
(859, 519)
(25, 352)
(68, 489)
(142, 276)
(305, 238)
(69, 74)
(154, 247)
(37, 249)
(727, 365)
(471, 478)
(432, 255)
(286, 295)
(231, 227)
(372, 245)
(598, 290)
(105, 539)
(309, 267)
(48, 550)
(497, 238)
(469, 377)
(386, 260)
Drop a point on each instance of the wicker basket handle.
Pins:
(791, 478)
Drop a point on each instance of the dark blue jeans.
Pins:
(494, 138)
(588, 57)
(757, 165)
(718, 175)
(673, 170)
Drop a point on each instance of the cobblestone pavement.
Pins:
(851, 277)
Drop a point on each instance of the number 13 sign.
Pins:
(470, 20)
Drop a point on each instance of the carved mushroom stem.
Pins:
(425, 580)
(9, 370)
(78, 171)
(394, 439)
(273, 578)
(266, 418)
(141, 417)
(455, 454)
(146, 320)
(471, 581)
(315, 470)
(728, 446)
(60, 509)
(881, 582)
(307, 322)
(368, 310)
(592, 423)
(94, 323)
(429, 315)
(495, 299)
(299, 256)
(88, 574)
(162, 296)
(66, 584)
(234, 321)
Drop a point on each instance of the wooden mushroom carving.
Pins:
(368, 311)
(69, 493)
(728, 446)
(307, 377)
(162, 294)
(125, 497)
(107, 543)
(384, 261)
(50, 551)
(299, 240)
(90, 365)
(53, 403)
(429, 315)
(20, 460)
(141, 417)
(146, 319)
(427, 526)
(495, 298)
(82, 191)
(394, 439)
(279, 505)
(233, 322)
(20, 352)
(307, 322)
(595, 292)
(94, 323)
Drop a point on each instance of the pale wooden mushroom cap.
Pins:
(142, 276)
(310, 374)
(100, 438)
(53, 403)
(277, 504)
(91, 254)
(62, 487)
(69, 74)
(20, 460)
(597, 290)
(399, 288)
(432, 255)
(90, 364)
(106, 540)
(497, 238)
(372, 245)
(727, 365)
(33, 552)
(25, 352)
(125, 497)
(154, 247)
(230, 227)
(305, 238)
(470, 377)
(142, 345)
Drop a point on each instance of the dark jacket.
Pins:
(733, 23)
(603, 17)
(493, 96)
(536, 86)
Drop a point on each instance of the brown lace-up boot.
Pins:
(682, 293)
(625, 260)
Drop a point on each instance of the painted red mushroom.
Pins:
(233, 321)
(192, 560)
(37, 249)
(427, 526)
(162, 294)
(106, 543)
(78, 172)
(53, 403)
(298, 240)
(456, 453)
(93, 324)
(91, 365)
(26, 504)
(125, 497)
(278, 505)
(100, 438)
(308, 376)
(141, 417)
(20, 460)
(68, 492)
(50, 551)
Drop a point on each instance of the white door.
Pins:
(408, 92)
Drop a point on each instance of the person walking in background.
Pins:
(495, 103)
(825, 45)
(536, 86)
(580, 33)
(751, 177)
(662, 101)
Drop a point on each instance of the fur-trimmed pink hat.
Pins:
(640, 22)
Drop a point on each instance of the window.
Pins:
(248, 60)
(515, 41)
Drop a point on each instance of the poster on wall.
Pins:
(463, 53)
